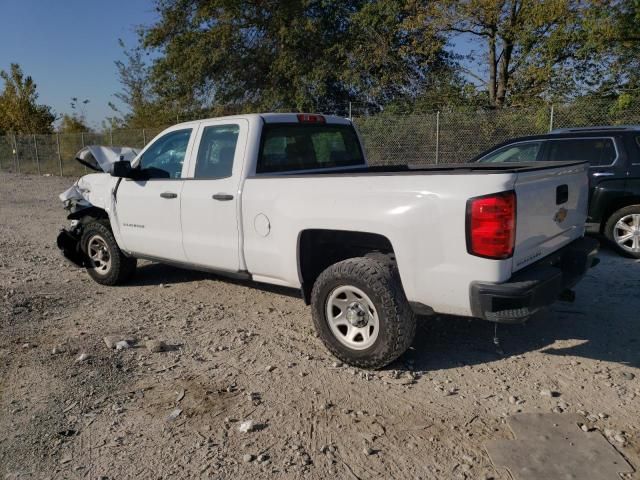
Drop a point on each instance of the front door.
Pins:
(148, 212)
(210, 196)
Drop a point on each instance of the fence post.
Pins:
(35, 149)
(144, 138)
(350, 117)
(59, 156)
(551, 119)
(82, 138)
(111, 137)
(437, 136)
(15, 142)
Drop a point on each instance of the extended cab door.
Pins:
(210, 195)
(148, 211)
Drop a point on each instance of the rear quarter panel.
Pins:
(423, 216)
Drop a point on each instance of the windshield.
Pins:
(294, 146)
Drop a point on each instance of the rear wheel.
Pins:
(361, 313)
(106, 263)
(623, 230)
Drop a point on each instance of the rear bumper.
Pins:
(535, 287)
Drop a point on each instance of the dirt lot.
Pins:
(240, 351)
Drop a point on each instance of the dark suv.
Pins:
(614, 175)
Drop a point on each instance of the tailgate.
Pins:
(552, 210)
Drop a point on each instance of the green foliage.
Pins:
(72, 124)
(217, 57)
(144, 108)
(222, 56)
(19, 110)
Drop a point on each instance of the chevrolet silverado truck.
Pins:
(289, 200)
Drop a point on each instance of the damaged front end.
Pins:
(88, 198)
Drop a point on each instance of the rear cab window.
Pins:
(287, 147)
(599, 152)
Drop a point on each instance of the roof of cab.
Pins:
(274, 118)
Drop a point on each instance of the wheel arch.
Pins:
(615, 205)
(89, 212)
(320, 248)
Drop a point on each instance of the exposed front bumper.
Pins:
(69, 243)
(536, 286)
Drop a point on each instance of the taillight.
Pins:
(491, 225)
(310, 118)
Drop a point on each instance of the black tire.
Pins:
(610, 230)
(120, 267)
(378, 278)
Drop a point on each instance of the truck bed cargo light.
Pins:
(310, 118)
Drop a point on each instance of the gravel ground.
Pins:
(70, 407)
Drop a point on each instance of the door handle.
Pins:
(169, 195)
(223, 197)
(603, 174)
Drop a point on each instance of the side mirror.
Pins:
(122, 169)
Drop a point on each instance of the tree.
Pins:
(19, 110)
(530, 47)
(222, 56)
(143, 106)
(72, 124)
(77, 121)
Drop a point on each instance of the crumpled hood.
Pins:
(93, 189)
(101, 158)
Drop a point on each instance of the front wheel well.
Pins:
(319, 248)
(90, 213)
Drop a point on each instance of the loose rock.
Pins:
(247, 458)
(82, 358)
(246, 426)
(174, 414)
(122, 345)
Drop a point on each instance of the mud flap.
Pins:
(69, 244)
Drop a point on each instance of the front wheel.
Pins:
(623, 230)
(361, 313)
(106, 263)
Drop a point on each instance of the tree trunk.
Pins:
(503, 74)
(492, 71)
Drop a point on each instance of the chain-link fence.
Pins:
(419, 139)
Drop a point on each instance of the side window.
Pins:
(164, 158)
(599, 152)
(520, 152)
(216, 151)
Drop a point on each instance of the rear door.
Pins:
(602, 153)
(551, 211)
(211, 195)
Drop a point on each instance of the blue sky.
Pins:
(69, 46)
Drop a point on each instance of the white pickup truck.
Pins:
(288, 199)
